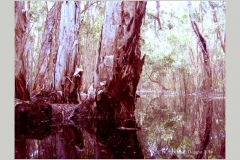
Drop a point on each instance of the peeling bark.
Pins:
(67, 55)
(59, 58)
(21, 91)
(44, 76)
(119, 62)
(21, 36)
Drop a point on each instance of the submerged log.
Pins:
(30, 111)
(41, 110)
(32, 119)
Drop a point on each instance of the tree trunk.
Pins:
(157, 14)
(44, 77)
(59, 59)
(119, 62)
(67, 55)
(205, 138)
(21, 36)
(207, 83)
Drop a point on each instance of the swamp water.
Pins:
(164, 127)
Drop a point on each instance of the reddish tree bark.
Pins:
(119, 62)
(44, 77)
(21, 36)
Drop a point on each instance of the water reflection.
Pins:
(84, 139)
(170, 127)
(118, 142)
(181, 126)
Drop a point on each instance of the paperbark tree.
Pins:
(67, 61)
(119, 62)
(58, 58)
(44, 77)
(21, 36)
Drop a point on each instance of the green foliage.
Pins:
(167, 49)
(175, 48)
(184, 18)
(172, 38)
(37, 7)
(92, 20)
(166, 137)
(186, 143)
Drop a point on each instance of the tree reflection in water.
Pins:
(170, 127)
(84, 139)
(115, 142)
(181, 126)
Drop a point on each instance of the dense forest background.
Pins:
(174, 57)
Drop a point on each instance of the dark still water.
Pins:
(164, 127)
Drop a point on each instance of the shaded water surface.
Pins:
(170, 127)
(181, 127)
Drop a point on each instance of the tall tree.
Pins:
(67, 55)
(119, 62)
(44, 77)
(58, 58)
(21, 36)
(207, 83)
